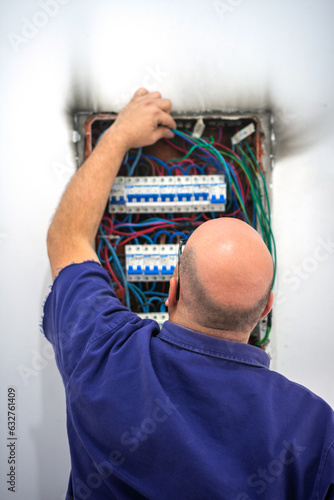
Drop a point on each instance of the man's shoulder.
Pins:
(298, 394)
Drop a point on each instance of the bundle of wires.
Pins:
(247, 199)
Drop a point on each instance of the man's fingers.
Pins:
(145, 120)
(140, 92)
(162, 133)
(155, 95)
(165, 105)
(166, 120)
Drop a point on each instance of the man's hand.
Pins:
(144, 121)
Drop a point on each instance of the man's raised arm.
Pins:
(71, 234)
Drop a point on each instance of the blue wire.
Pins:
(179, 167)
(118, 266)
(209, 147)
(121, 273)
(197, 167)
(160, 294)
(154, 284)
(135, 293)
(147, 238)
(134, 290)
(148, 222)
(140, 291)
(135, 163)
(100, 136)
(162, 231)
(171, 238)
(221, 166)
(154, 298)
(164, 164)
(127, 219)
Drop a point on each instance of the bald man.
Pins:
(192, 411)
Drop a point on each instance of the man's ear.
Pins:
(171, 301)
(268, 306)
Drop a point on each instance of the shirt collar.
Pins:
(213, 346)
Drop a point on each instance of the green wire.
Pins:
(184, 157)
(208, 146)
(268, 218)
(252, 171)
(265, 338)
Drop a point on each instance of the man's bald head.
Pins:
(226, 275)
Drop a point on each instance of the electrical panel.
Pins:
(217, 165)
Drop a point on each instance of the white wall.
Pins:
(202, 54)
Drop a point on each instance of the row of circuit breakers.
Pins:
(203, 193)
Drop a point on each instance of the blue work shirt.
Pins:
(177, 414)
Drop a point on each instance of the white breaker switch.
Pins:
(150, 262)
(191, 193)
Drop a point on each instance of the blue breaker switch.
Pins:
(201, 196)
(148, 270)
(168, 197)
(165, 271)
(220, 199)
(184, 196)
(115, 201)
(138, 270)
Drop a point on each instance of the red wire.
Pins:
(145, 231)
(230, 215)
(228, 149)
(187, 160)
(107, 224)
(175, 147)
(178, 219)
(114, 277)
